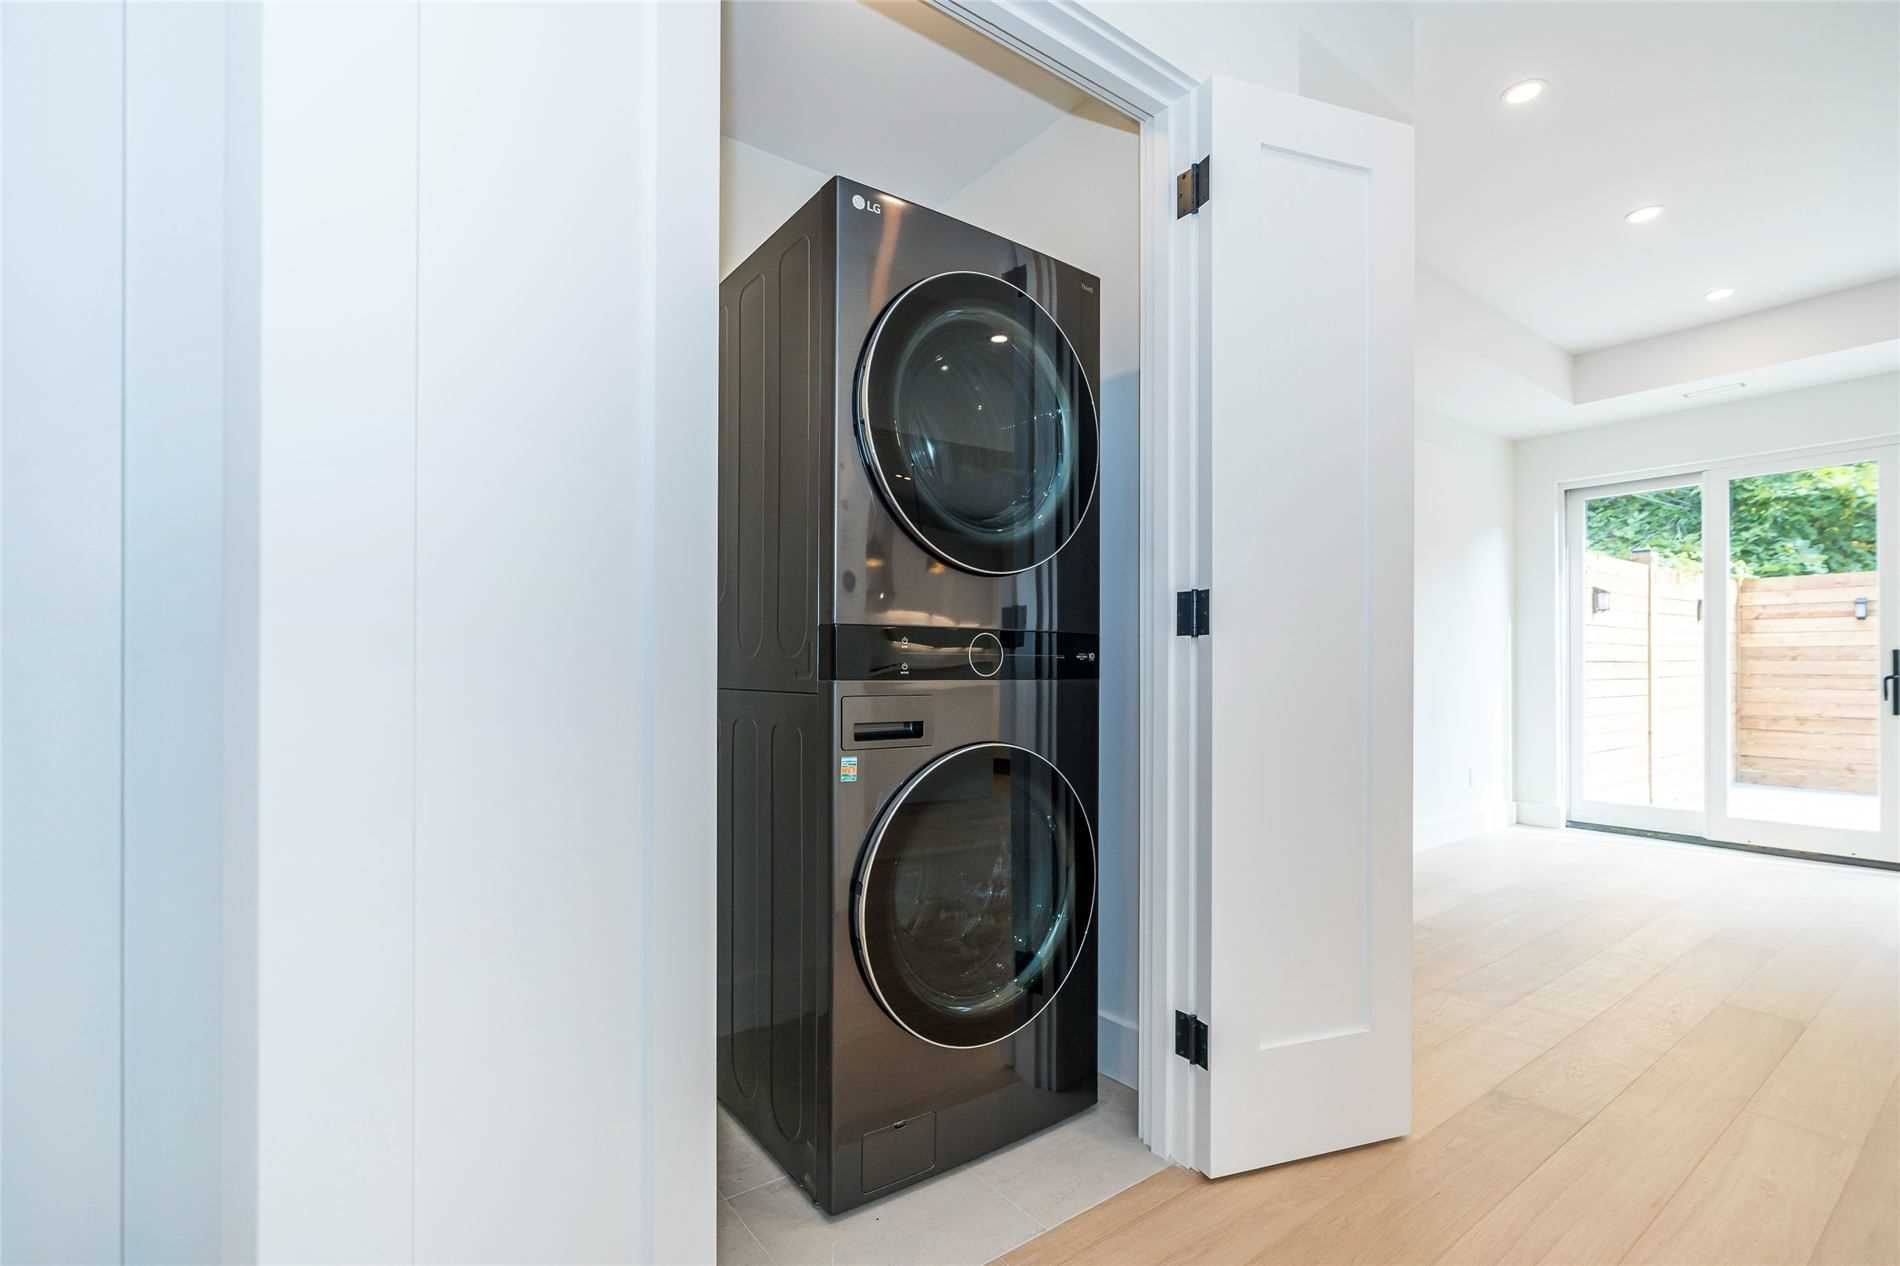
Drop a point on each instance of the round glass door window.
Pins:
(975, 894)
(978, 423)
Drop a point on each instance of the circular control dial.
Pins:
(986, 654)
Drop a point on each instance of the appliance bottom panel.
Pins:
(960, 1130)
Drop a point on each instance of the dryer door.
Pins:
(978, 423)
(975, 894)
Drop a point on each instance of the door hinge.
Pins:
(1190, 188)
(1190, 1038)
(1190, 613)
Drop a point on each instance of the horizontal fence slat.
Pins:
(1750, 640)
(1824, 580)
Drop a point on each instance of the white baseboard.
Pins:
(1116, 1044)
(1530, 813)
(1476, 818)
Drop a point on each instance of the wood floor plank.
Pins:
(1438, 1015)
(1417, 1207)
(1460, 1070)
(1864, 1229)
(1760, 1197)
(1229, 1221)
(1523, 921)
(1591, 1200)
(1452, 1076)
(1623, 1048)
(1513, 976)
(1834, 1079)
(1800, 978)
(1586, 1071)
(1081, 1238)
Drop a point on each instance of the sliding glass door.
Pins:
(1804, 747)
(1728, 656)
(1638, 752)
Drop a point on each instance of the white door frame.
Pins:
(1882, 844)
(1673, 821)
(1073, 43)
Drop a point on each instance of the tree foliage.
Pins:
(1797, 523)
(1666, 522)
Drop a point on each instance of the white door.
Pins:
(1804, 653)
(1304, 959)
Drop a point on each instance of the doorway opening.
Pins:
(923, 140)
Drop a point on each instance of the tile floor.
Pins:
(966, 1217)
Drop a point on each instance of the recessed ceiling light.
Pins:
(1524, 93)
(1643, 215)
(999, 338)
(1720, 293)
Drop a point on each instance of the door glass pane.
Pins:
(976, 895)
(978, 421)
(1804, 666)
(1642, 648)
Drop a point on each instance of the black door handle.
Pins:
(1890, 684)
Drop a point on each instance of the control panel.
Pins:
(863, 652)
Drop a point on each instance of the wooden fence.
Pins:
(1642, 683)
(1806, 701)
(1802, 677)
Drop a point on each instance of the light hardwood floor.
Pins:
(1626, 1051)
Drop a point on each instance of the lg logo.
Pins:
(875, 208)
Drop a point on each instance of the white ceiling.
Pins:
(1771, 132)
(894, 94)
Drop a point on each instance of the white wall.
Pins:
(757, 193)
(1863, 409)
(1462, 632)
(336, 634)
(112, 463)
(61, 576)
(535, 938)
(173, 534)
(342, 390)
(480, 301)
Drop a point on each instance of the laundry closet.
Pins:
(928, 718)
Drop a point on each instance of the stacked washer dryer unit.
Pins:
(908, 595)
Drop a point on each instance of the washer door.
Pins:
(978, 423)
(974, 894)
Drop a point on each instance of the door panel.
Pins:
(1807, 742)
(1636, 596)
(1307, 898)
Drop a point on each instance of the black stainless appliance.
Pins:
(908, 694)
(908, 434)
